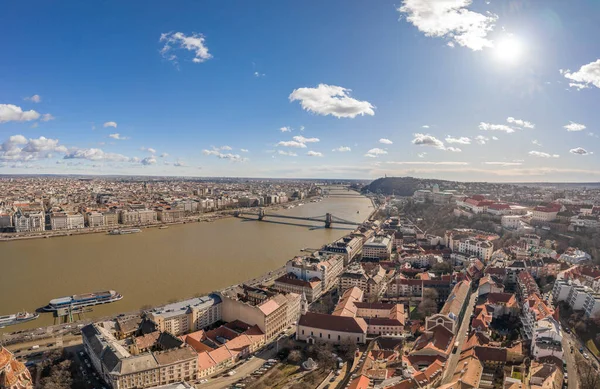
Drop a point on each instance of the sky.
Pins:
(468, 90)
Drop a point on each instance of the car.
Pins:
(586, 356)
(332, 379)
(566, 375)
(81, 353)
(202, 381)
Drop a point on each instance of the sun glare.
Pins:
(508, 49)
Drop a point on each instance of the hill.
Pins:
(400, 186)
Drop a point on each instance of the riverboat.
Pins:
(83, 300)
(124, 232)
(17, 318)
(163, 227)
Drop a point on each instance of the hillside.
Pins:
(400, 186)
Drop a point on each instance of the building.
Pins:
(511, 222)
(451, 314)
(75, 221)
(545, 213)
(325, 267)
(290, 283)
(94, 219)
(347, 246)
(547, 339)
(121, 369)
(141, 216)
(317, 327)
(534, 310)
(28, 221)
(188, 315)
(256, 306)
(574, 255)
(170, 215)
(13, 374)
(58, 221)
(372, 282)
(110, 218)
(377, 248)
(480, 248)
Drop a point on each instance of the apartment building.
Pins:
(29, 221)
(347, 246)
(110, 218)
(290, 283)
(377, 248)
(75, 221)
(94, 219)
(141, 216)
(170, 215)
(188, 315)
(547, 339)
(480, 248)
(325, 267)
(545, 213)
(255, 306)
(451, 314)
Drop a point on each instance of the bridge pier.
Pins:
(261, 214)
(328, 220)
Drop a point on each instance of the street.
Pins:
(569, 357)
(460, 337)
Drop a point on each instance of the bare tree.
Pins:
(588, 377)
(295, 357)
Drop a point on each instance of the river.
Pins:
(157, 266)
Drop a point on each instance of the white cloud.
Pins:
(480, 139)
(117, 136)
(292, 143)
(536, 142)
(34, 99)
(520, 123)
(421, 155)
(314, 154)
(151, 150)
(110, 124)
(425, 126)
(540, 154)
(572, 126)
(427, 140)
(194, 43)
(164, 155)
(580, 151)
(495, 127)
(301, 139)
(463, 140)
(449, 163)
(258, 75)
(376, 152)
(331, 100)
(19, 148)
(148, 161)
(94, 154)
(288, 153)
(227, 148)
(586, 76)
(453, 149)
(13, 113)
(180, 164)
(47, 117)
(342, 149)
(217, 153)
(494, 138)
(285, 129)
(244, 150)
(503, 163)
(450, 19)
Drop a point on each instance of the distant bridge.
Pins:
(328, 219)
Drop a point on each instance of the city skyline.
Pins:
(459, 90)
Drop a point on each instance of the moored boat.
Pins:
(124, 231)
(83, 300)
(17, 318)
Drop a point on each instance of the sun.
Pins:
(508, 49)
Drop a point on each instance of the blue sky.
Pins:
(459, 89)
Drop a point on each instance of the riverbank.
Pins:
(201, 218)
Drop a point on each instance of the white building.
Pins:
(378, 247)
(58, 221)
(573, 255)
(510, 221)
(326, 268)
(317, 327)
(94, 219)
(189, 315)
(75, 221)
(547, 339)
(480, 248)
(29, 221)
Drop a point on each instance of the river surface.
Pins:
(157, 266)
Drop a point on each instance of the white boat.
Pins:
(125, 231)
(17, 318)
(83, 300)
